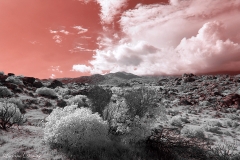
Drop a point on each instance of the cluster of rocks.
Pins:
(217, 91)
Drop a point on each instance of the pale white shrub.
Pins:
(4, 91)
(44, 91)
(212, 129)
(15, 80)
(214, 123)
(62, 91)
(1, 73)
(75, 128)
(176, 121)
(78, 100)
(193, 132)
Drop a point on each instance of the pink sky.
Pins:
(72, 38)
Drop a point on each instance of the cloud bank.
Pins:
(184, 36)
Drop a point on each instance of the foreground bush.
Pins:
(75, 129)
(4, 92)
(9, 115)
(44, 91)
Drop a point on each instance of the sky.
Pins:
(72, 38)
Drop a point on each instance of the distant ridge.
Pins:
(98, 78)
(123, 75)
(93, 79)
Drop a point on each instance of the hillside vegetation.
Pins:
(120, 116)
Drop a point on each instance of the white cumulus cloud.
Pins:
(184, 36)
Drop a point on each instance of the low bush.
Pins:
(48, 92)
(10, 115)
(193, 132)
(18, 103)
(214, 123)
(4, 91)
(213, 129)
(141, 102)
(62, 91)
(75, 130)
(176, 121)
(15, 80)
(80, 100)
(1, 73)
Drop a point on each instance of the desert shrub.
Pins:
(225, 151)
(99, 98)
(134, 115)
(15, 80)
(10, 115)
(141, 102)
(18, 103)
(4, 91)
(214, 123)
(62, 91)
(80, 100)
(167, 144)
(176, 121)
(1, 73)
(115, 110)
(213, 129)
(48, 92)
(233, 116)
(75, 129)
(227, 123)
(193, 132)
